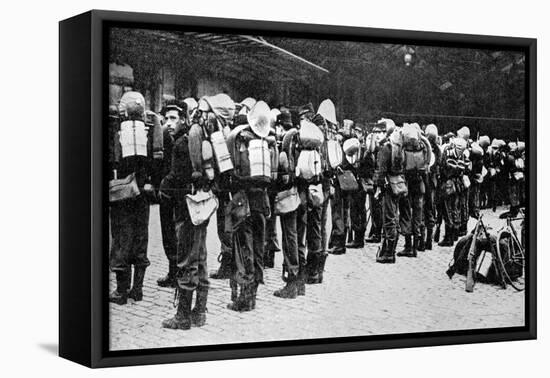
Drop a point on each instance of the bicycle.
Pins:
(512, 264)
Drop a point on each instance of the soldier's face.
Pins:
(173, 121)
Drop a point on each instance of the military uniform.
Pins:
(430, 196)
(248, 238)
(388, 167)
(166, 212)
(450, 186)
(367, 169)
(191, 259)
(416, 152)
(130, 217)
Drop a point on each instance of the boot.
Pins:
(290, 290)
(428, 242)
(301, 282)
(224, 271)
(338, 245)
(234, 290)
(182, 319)
(252, 295)
(358, 240)
(421, 246)
(373, 238)
(198, 314)
(269, 260)
(245, 300)
(321, 269)
(312, 268)
(393, 247)
(237, 297)
(170, 279)
(448, 239)
(407, 250)
(136, 293)
(386, 252)
(120, 295)
(416, 241)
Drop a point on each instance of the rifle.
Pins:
(499, 274)
(470, 280)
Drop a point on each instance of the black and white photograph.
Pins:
(272, 188)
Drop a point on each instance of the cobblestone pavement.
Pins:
(357, 297)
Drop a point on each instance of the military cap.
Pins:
(304, 109)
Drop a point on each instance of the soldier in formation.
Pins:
(261, 169)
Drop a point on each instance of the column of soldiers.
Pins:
(252, 165)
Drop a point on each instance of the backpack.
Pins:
(254, 159)
(200, 152)
(152, 120)
(289, 147)
(460, 257)
(417, 156)
(133, 138)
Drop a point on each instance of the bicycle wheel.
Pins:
(512, 265)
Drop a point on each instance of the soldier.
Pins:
(311, 183)
(432, 178)
(271, 238)
(416, 154)
(464, 184)
(340, 202)
(251, 178)
(130, 214)
(451, 172)
(174, 114)
(369, 167)
(188, 175)
(357, 199)
(286, 204)
(515, 166)
(485, 186)
(476, 179)
(497, 176)
(390, 183)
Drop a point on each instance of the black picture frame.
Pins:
(83, 229)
